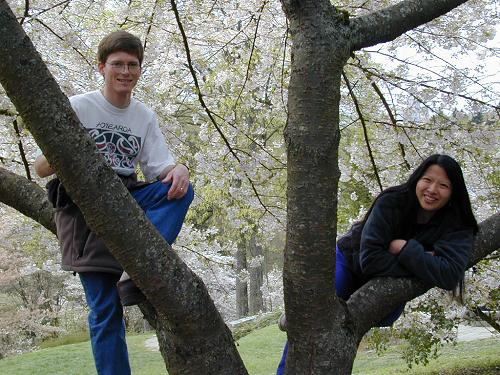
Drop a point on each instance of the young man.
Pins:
(126, 133)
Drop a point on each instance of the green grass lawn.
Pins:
(261, 352)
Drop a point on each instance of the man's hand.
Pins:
(179, 176)
(396, 245)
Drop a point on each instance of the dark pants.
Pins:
(106, 325)
(346, 284)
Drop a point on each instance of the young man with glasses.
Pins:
(126, 133)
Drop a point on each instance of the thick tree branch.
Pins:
(26, 197)
(395, 291)
(389, 23)
(488, 239)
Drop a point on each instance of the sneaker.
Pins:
(282, 322)
(129, 293)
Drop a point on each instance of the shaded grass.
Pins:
(261, 352)
(72, 338)
(473, 357)
(76, 359)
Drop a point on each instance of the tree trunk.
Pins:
(192, 335)
(314, 314)
(255, 300)
(241, 281)
(322, 332)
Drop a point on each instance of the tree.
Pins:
(323, 331)
(319, 323)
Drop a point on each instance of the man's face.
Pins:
(121, 72)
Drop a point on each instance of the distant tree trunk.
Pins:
(256, 302)
(241, 281)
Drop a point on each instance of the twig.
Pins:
(365, 131)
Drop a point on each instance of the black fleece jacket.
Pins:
(436, 252)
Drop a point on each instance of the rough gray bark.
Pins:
(26, 197)
(241, 281)
(319, 51)
(387, 24)
(193, 337)
(256, 278)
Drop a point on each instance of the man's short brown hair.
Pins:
(120, 41)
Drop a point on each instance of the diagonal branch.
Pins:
(385, 76)
(207, 110)
(21, 150)
(486, 318)
(150, 25)
(247, 75)
(185, 311)
(62, 39)
(388, 23)
(365, 130)
(394, 124)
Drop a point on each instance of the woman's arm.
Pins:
(378, 232)
(445, 265)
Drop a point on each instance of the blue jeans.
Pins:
(346, 283)
(106, 325)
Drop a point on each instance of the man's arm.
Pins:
(178, 175)
(42, 167)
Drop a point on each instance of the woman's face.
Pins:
(433, 189)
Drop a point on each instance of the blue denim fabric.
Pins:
(106, 325)
(166, 215)
(281, 366)
(345, 285)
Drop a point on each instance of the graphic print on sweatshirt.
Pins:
(116, 143)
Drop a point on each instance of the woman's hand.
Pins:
(396, 245)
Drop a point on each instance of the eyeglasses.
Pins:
(119, 66)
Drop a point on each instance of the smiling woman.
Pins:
(434, 189)
(423, 228)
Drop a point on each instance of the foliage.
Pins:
(233, 142)
(38, 300)
(65, 339)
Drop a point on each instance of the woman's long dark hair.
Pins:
(459, 199)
